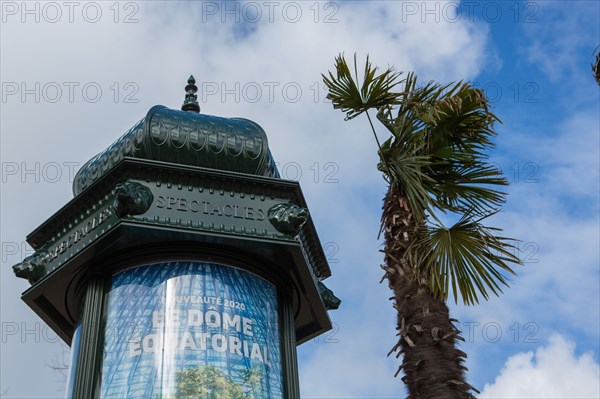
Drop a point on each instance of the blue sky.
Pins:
(262, 61)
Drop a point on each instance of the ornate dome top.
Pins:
(186, 137)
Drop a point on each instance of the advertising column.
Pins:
(189, 329)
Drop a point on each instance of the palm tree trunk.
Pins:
(432, 364)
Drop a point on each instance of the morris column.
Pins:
(183, 266)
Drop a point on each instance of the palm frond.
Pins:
(462, 118)
(453, 126)
(374, 92)
(460, 187)
(404, 166)
(467, 259)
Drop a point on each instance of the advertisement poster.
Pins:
(188, 330)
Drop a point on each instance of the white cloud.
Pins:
(354, 368)
(553, 371)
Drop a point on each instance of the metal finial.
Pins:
(191, 99)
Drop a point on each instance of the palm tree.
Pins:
(435, 161)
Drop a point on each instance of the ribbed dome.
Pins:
(186, 138)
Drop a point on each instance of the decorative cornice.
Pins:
(169, 195)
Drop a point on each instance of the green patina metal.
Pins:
(186, 138)
(331, 301)
(178, 183)
(132, 198)
(158, 194)
(194, 177)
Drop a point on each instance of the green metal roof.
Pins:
(187, 138)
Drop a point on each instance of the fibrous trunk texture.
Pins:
(432, 363)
